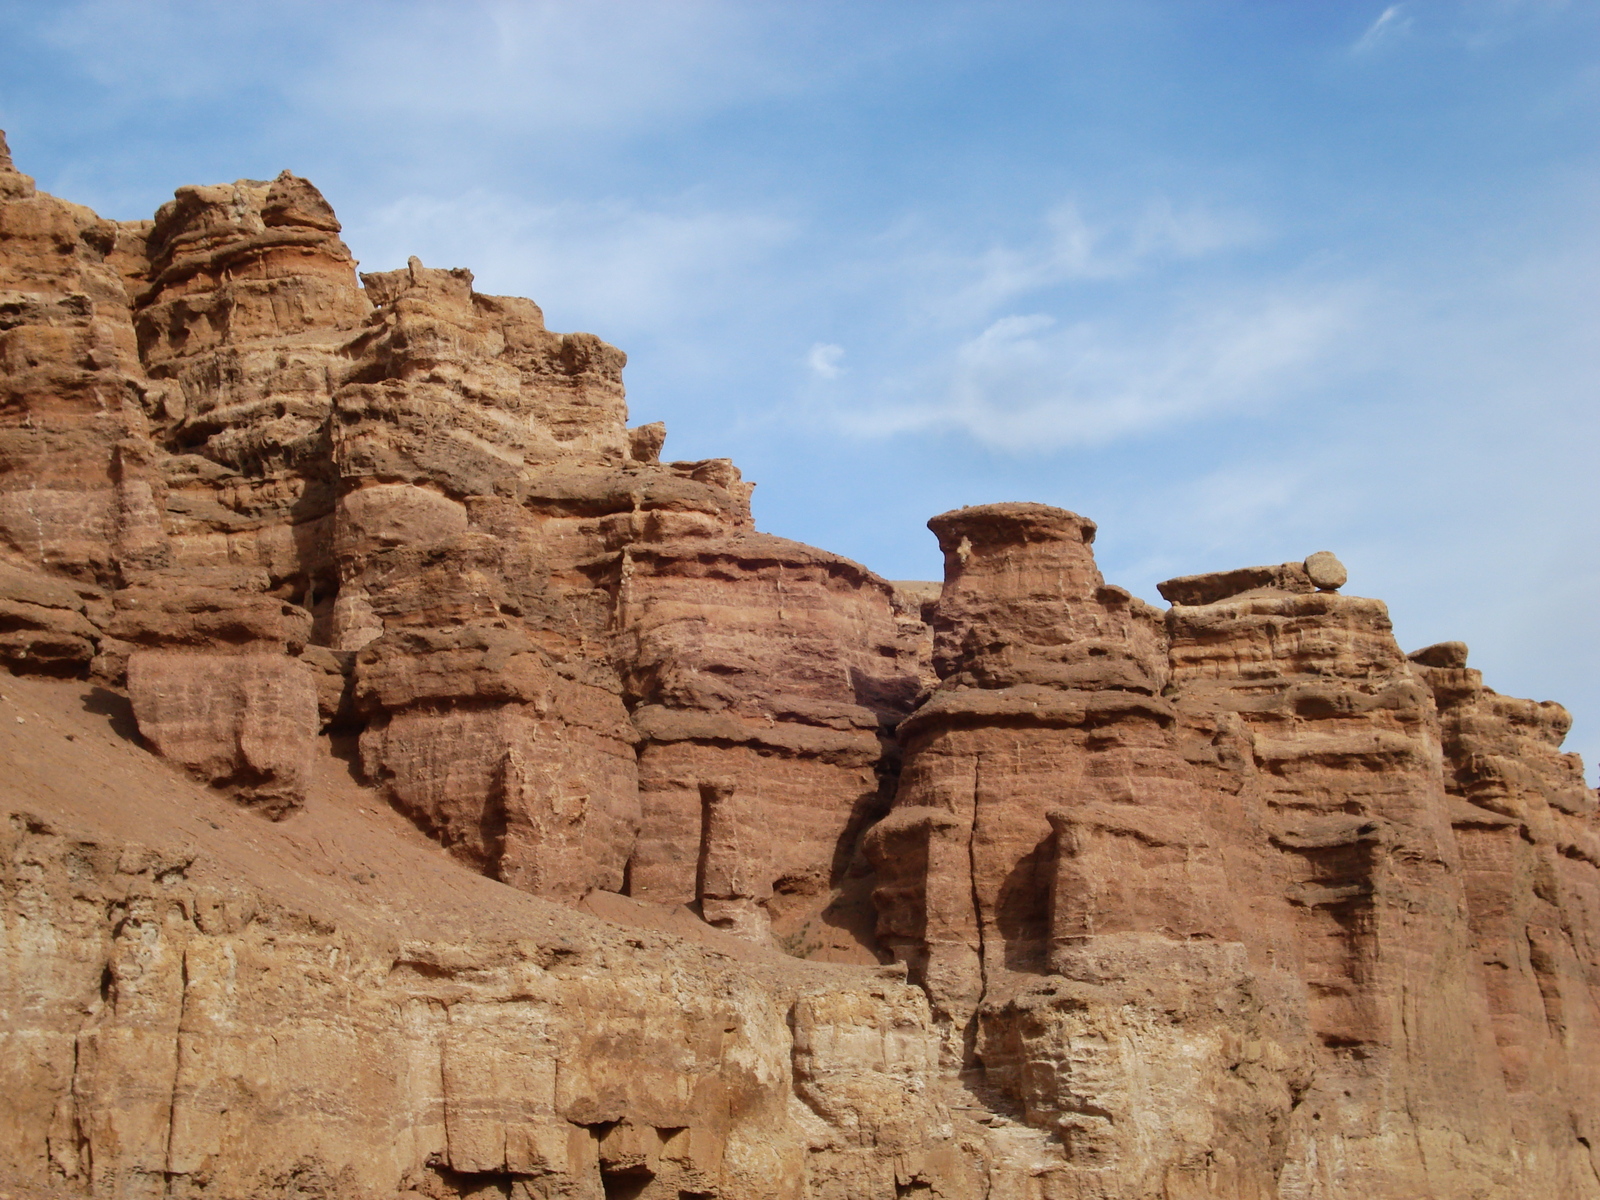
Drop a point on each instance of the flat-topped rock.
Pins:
(1213, 586)
(1445, 655)
(1009, 522)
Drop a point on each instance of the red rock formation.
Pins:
(1361, 883)
(1234, 899)
(778, 668)
(1231, 830)
(450, 489)
(1525, 826)
(193, 1001)
(77, 496)
(43, 629)
(1055, 876)
(1049, 704)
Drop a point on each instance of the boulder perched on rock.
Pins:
(1326, 571)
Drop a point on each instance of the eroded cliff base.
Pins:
(203, 1003)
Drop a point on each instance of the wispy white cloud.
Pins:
(1072, 249)
(1392, 24)
(1027, 384)
(413, 68)
(554, 67)
(617, 263)
(825, 360)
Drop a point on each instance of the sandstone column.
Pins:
(1052, 875)
(729, 886)
(1049, 702)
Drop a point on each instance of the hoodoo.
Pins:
(413, 785)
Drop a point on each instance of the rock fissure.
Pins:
(969, 1034)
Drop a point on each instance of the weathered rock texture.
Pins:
(197, 1003)
(1104, 900)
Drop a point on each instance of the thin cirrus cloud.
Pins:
(1028, 384)
(965, 285)
(1472, 25)
(1036, 380)
(553, 67)
(1393, 23)
(615, 264)
(537, 65)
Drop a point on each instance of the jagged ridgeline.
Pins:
(414, 785)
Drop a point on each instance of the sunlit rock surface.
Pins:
(621, 850)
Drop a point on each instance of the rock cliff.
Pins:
(415, 786)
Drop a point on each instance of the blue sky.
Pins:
(1238, 280)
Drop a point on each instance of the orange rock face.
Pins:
(1205, 891)
(1228, 899)
(78, 496)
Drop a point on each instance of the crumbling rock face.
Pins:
(777, 667)
(1524, 824)
(1164, 1067)
(77, 497)
(43, 626)
(1236, 828)
(1230, 899)
(173, 1030)
(520, 768)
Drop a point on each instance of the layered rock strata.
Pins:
(390, 504)
(1232, 898)
(1199, 890)
(326, 1007)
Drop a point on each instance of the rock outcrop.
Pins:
(198, 1003)
(570, 768)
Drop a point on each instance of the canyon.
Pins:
(416, 787)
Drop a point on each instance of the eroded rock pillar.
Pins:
(1048, 700)
(729, 884)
